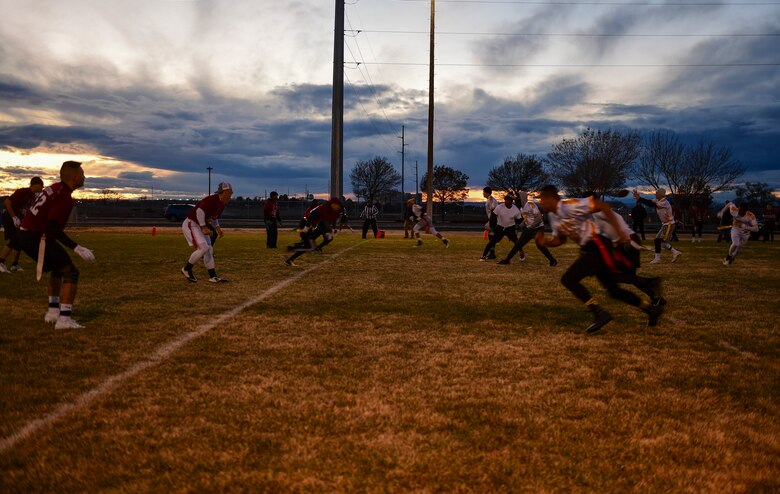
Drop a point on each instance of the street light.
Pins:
(209, 168)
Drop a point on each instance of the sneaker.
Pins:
(4, 269)
(65, 322)
(656, 285)
(656, 260)
(492, 257)
(288, 262)
(217, 279)
(505, 262)
(553, 263)
(188, 274)
(446, 243)
(676, 255)
(51, 315)
(654, 314)
(726, 262)
(419, 243)
(601, 319)
(483, 259)
(16, 268)
(522, 255)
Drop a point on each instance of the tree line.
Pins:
(595, 161)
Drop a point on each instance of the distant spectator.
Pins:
(369, 215)
(272, 219)
(409, 219)
(697, 216)
(769, 218)
(638, 215)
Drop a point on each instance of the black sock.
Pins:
(212, 273)
(188, 267)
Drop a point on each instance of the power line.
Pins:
(631, 4)
(373, 124)
(579, 65)
(584, 35)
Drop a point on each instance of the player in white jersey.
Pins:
(507, 215)
(573, 218)
(490, 204)
(533, 228)
(668, 225)
(744, 224)
(424, 224)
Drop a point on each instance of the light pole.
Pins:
(209, 168)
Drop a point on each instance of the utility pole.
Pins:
(416, 183)
(209, 168)
(430, 114)
(403, 150)
(337, 127)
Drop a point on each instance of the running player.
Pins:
(424, 224)
(43, 227)
(533, 227)
(196, 231)
(507, 215)
(317, 222)
(490, 204)
(15, 207)
(574, 218)
(668, 225)
(744, 224)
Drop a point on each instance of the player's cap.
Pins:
(660, 192)
(224, 186)
(416, 208)
(36, 181)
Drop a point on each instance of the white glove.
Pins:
(17, 221)
(85, 253)
(305, 229)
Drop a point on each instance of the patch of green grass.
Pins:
(392, 368)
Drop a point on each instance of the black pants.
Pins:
(592, 262)
(272, 233)
(698, 226)
(525, 236)
(372, 223)
(639, 228)
(724, 234)
(769, 231)
(509, 232)
(628, 276)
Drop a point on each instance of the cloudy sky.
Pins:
(148, 93)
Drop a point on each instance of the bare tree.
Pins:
(449, 185)
(755, 193)
(521, 173)
(687, 171)
(374, 179)
(596, 161)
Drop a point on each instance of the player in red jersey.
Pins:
(198, 235)
(43, 227)
(315, 223)
(15, 207)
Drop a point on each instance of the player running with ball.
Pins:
(744, 224)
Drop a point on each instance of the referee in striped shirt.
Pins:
(369, 215)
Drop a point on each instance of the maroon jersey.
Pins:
(54, 204)
(21, 200)
(271, 210)
(697, 213)
(324, 213)
(211, 205)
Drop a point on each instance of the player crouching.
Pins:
(198, 235)
(42, 235)
(318, 222)
(424, 224)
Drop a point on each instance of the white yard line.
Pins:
(162, 353)
(731, 347)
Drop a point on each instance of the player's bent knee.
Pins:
(69, 274)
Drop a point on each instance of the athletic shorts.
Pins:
(424, 226)
(666, 232)
(10, 232)
(194, 235)
(54, 259)
(739, 237)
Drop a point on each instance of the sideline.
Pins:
(162, 353)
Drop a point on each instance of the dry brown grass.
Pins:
(393, 369)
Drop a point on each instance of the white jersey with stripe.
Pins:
(743, 224)
(606, 227)
(573, 218)
(507, 216)
(664, 210)
(532, 215)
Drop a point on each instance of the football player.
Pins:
(15, 207)
(198, 234)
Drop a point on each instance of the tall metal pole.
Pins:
(209, 168)
(337, 128)
(430, 114)
(416, 183)
(403, 154)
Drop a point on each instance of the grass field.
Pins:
(379, 367)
